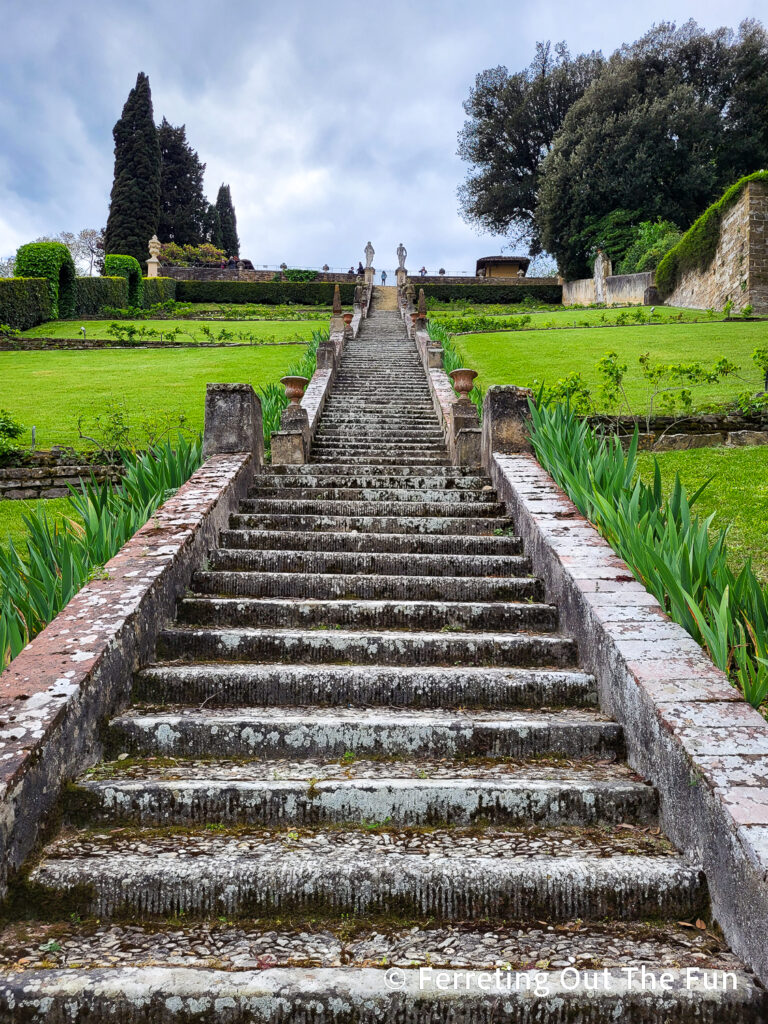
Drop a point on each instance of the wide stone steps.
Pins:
(380, 509)
(379, 495)
(275, 793)
(370, 587)
(412, 525)
(378, 732)
(275, 685)
(449, 473)
(366, 614)
(394, 543)
(371, 458)
(363, 563)
(426, 482)
(141, 994)
(506, 874)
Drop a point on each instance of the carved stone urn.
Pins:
(347, 318)
(294, 388)
(463, 382)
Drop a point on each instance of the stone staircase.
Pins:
(364, 748)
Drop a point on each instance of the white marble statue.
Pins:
(369, 254)
(402, 254)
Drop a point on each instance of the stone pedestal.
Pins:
(326, 356)
(401, 276)
(337, 325)
(153, 267)
(233, 421)
(505, 421)
(465, 434)
(290, 445)
(369, 275)
(435, 357)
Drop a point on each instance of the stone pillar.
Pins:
(326, 356)
(337, 324)
(464, 427)
(505, 421)
(401, 276)
(435, 357)
(153, 266)
(233, 421)
(369, 275)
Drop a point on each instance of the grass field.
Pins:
(190, 330)
(738, 495)
(520, 357)
(556, 316)
(12, 516)
(49, 390)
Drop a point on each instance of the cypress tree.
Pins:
(183, 205)
(212, 227)
(134, 203)
(230, 241)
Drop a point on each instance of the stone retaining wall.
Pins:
(620, 290)
(51, 481)
(228, 274)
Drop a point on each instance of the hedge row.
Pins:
(92, 293)
(269, 293)
(128, 267)
(503, 293)
(24, 301)
(697, 248)
(53, 261)
(158, 289)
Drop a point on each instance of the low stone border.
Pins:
(24, 482)
(687, 729)
(73, 345)
(78, 671)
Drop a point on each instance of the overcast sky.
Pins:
(333, 123)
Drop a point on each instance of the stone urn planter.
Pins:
(347, 318)
(463, 382)
(294, 388)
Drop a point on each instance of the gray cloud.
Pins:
(332, 123)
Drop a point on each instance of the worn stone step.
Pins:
(339, 995)
(217, 610)
(426, 482)
(363, 563)
(368, 458)
(382, 509)
(406, 525)
(507, 874)
(257, 793)
(371, 732)
(377, 494)
(247, 685)
(297, 540)
(370, 587)
(448, 472)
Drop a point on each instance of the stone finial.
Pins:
(154, 247)
(422, 307)
(336, 301)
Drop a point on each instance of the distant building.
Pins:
(502, 266)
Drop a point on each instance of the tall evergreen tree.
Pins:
(134, 204)
(183, 205)
(230, 241)
(212, 227)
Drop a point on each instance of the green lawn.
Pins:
(190, 330)
(49, 390)
(12, 513)
(556, 316)
(519, 357)
(738, 494)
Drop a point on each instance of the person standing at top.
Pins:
(383, 277)
(360, 270)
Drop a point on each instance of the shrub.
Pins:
(59, 559)
(483, 293)
(10, 431)
(270, 293)
(653, 240)
(53, 261)
(157, 290)
(174, 255)
(697, 248)
(129, 268)
(300, 275)
(92, 294)
(24, 301)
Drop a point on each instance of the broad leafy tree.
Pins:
(658, 134)
(230, 243)
(183, 206)
(512, 120)
(135, 199)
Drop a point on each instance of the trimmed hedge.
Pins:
(158, 289)
(479, 293)
(116, 265)
(697, 248)
(93, 293)
(270, 293)
(51, 260)
(24, 301)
